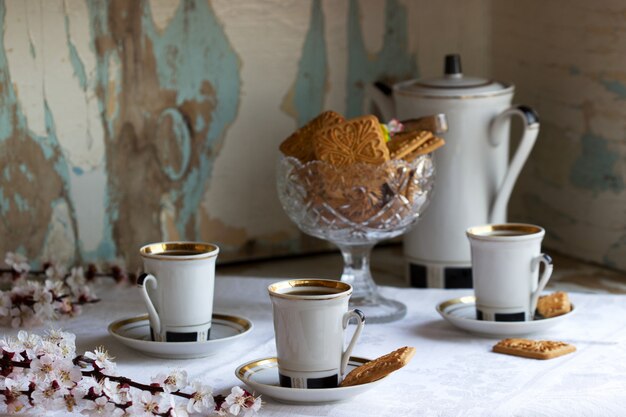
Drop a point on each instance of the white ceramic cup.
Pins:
(177, 287)
(505, 270)
(310, 318)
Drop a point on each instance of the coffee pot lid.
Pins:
(453, 82)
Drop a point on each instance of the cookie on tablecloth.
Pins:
(534, 349)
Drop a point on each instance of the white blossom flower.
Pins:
(13, 396)
(76, 278)
(174, 381)
(73, 399)
(202, 399)
(56, 272)
(144, 404)
(102, 360)
(49, 348)
(29, 343)
(43, 368)
(65, 341)
(119, 394)
(17, 262)
(240, 400)
(101, 406)
(49, 396)
(12, 347)
(5, 303)
(178, 410)
(67, 374)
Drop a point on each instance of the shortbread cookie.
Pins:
(300, 143)
(534, 349)
(358, 140)
(379, 368)
(427, 147)
(405, 143)
(554, 304)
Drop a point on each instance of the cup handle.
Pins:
(531, 129)
(360, 317)
(155, 322)
(547, 272)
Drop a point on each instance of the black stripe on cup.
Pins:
(181, 336)
(502, 316)
(312, 383)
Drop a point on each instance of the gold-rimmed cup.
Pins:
(177, 288)
(310, 318)
(505, 270)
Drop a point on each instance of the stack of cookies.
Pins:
(355, 167)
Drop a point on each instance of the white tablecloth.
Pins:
(453, 373)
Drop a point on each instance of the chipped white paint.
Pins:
(60, 241)
(372, 14)
(88, 191)
(18, 39)
(246, 164)
(335, 18)
(573, 184)
(162, 12)
(74, 111)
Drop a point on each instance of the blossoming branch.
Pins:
(35, 296)
(45, 374)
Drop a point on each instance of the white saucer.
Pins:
(461, 312)
(135, 333)
(261, 376)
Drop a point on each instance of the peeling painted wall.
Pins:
(568, 60)
(127, 122)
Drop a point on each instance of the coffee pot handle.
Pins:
(529, 136)
(378, 97)
(155, 322)
(360, 322)
(546, 260)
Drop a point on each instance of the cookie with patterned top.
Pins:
(379, 368)
(300, 143)
(534, 349)
(359, 140)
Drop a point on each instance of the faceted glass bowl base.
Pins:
(379, 309)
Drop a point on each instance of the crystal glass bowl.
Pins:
(354, 207)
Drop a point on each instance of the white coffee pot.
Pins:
(475, 176)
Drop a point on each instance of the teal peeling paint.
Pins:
(310, 83)
(183, 142)
(77, 63)
(7, 173)
(393, 61)
(20, 203)
(615, 87)
(26, 172)
(574, 70)
(200, 124)
(5, 203)
(595, 168)
(193, 50)
(78, 170)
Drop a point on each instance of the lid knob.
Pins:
(452, 67)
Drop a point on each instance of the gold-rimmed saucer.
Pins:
(261, 376)
(226, 329)
(461, 313)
